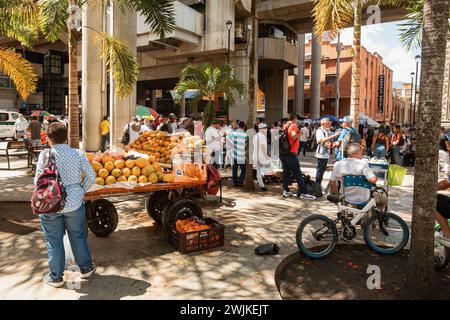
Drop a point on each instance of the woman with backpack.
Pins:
(397, 142)
(59, 201)
(380, 145)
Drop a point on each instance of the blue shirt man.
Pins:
(347, 129)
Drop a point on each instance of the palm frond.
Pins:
(159, 14)
(19, 20)
(53, 17)
(120, 61)
(332, 16)
(19, 70)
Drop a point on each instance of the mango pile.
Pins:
(157, 145)
(109, 171)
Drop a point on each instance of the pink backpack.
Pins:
(49, 195)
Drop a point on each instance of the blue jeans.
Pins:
(380, 151)
(321, 167)
(303, 146)
(396, 155)
(291, 165)
(237, 180)
(53, 226)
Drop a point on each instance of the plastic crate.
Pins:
(199, 240)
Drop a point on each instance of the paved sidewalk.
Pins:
(136, 262)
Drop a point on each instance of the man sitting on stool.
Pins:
(354, 165)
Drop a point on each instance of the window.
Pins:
(330, 79)
(15, 116)
(5, 81)
(307, 80)
(3, 117)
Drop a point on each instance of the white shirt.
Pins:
(134, 135)
(260, 157)
(305, 135)
(322, 152)
(357, 167)
(21, 125)
(213, 139)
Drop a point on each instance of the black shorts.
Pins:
(443, 206)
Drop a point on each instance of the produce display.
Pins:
(111, 169)
(190, 225)
(161, 147)
(157, 145)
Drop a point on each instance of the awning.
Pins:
(363, 119)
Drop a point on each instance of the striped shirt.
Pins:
(238, 140)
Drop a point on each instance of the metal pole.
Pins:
(338, 72)
(113, 137)
(415, 90)
(229, 44)
(411, 112)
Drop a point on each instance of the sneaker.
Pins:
(85, 274)
(287, 194)
(56, 283)
(306, 196)
(445, 241)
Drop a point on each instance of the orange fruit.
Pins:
(143, 179)
(126, 172)
(109, 166)
(132, 179)
(122, 179)
(110, 180)
(136, 171)
(100, 181)
(141, 163)
(103, 173)
(116, 173)
(129, 164)
(96, 166)
(119, 164)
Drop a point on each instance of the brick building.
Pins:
(372, 69)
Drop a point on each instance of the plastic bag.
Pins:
(70, 259)
(266, 249)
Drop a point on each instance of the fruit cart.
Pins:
(165, 203)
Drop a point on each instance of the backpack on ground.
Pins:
(49, 196)
(214, 179)
(349, 138)
(312, 187)
(283, 140)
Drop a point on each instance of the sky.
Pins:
(384, 39)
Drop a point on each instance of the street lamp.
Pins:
(415, 88)
(229, 24)
(411, 111)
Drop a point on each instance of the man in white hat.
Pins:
(260, 157)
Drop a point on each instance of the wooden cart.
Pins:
(165, 203)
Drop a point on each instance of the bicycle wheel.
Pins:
(386, 233)
(316, 236)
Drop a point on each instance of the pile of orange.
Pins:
(157, 145)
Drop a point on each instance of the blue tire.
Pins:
(374, 222)
(330, 229)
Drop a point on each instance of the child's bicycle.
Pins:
(441, 252)
(384, 232)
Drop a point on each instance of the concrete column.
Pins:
(125, 26)
(216, 30)
(316, 62)
(92, 65)
(276, 94)
(242, 68)
(299, 93)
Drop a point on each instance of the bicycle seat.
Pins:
(335, 198)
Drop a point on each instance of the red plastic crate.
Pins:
(199, 240)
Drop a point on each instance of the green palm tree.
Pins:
(209, 80)
(25, 20)
(335, 15)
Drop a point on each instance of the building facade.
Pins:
(376, 87)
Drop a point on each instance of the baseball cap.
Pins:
(346, 119)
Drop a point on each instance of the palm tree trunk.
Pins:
(446, 91)
(356, 65)
(253, 71)
(420, 265)
(74, 118)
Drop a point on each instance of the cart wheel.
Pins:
(155, 204)
(182, 208)
(102, 217)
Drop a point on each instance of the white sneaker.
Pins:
(307, 196)
(443, 240)
(287, 194)
(56, 283)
